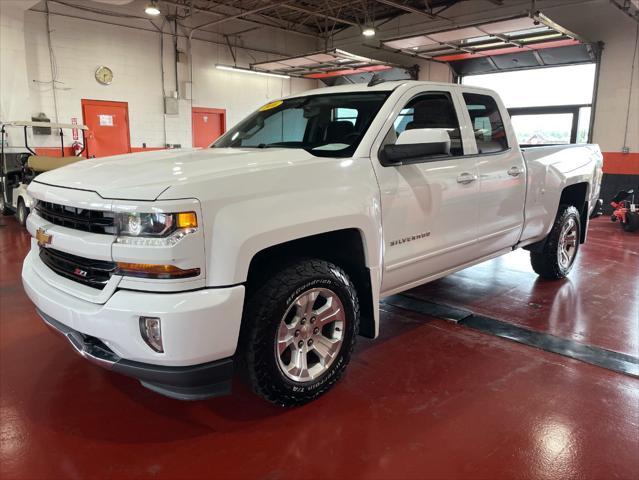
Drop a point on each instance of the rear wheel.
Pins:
(22, 212)
(300, 328)
(562, 244)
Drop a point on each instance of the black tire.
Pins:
(22, 212)
(546, 263)
(632, 222)
(266, 309)
(4, 210)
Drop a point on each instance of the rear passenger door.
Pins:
(430, 205)
(502, 173)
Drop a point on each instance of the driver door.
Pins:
(430, 204)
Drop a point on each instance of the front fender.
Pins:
(252, 212)
(242, 230)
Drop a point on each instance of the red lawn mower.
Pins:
(626, 210)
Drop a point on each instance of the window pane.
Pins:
(543, 129)
(583, 126)
(571, 85)
(488, 125)
(431, 110)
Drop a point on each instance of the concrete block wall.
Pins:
(81, 45)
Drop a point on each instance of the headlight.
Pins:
(154, 225)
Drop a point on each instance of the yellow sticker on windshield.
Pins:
(274, 104)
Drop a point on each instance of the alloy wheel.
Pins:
(567, 244)
(310, 335)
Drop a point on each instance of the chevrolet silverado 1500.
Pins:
(270, 250)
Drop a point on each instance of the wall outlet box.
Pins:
(625, 149)
(171, 106)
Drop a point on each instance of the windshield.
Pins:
(323, 125)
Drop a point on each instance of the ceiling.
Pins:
(507, 44)
(320, 18)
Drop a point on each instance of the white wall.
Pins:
(81, 45)
(14, 91)
(601, 21)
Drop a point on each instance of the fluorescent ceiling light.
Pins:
(248, 70)
(152, 8)
(368, 32)
(351, 56)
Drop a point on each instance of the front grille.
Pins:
(94, 273)
(94, 221)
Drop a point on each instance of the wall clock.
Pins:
(104, 75)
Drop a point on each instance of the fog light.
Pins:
(151, 330)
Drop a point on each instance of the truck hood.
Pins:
(146, 175)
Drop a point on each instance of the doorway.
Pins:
(208, 125)
(548, 106)
(108, 124)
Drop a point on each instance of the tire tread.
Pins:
(257, 320)
(545, 263)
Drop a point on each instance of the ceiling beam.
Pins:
(240, 15)
(319, 14)
(245, 20)
(406, 8)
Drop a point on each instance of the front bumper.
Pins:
(200, 330)
(183, 383)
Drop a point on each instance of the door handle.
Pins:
(466, 178)
(514, 171)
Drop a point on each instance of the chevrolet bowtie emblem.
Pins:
(43, 237)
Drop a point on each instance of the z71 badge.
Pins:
(412, 238)
(43, 237)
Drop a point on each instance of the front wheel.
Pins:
(22, 212)
(4, 210)
(300, 331)
(562, 244)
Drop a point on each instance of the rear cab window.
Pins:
(486, 120)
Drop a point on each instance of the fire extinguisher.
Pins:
(77, 148)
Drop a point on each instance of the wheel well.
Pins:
(576, 195)
(341, 247)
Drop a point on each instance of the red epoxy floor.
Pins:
(598, 304)
(429, 399)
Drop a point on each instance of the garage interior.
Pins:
(486, 373)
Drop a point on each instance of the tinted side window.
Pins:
(488, 125)
(431, 110)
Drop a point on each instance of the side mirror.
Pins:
(414, 145)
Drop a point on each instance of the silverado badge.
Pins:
(43, 237)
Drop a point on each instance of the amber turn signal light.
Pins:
(146, 270)
(187, 220)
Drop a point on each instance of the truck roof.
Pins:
(380, 87)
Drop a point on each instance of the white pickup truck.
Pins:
(271, 249)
